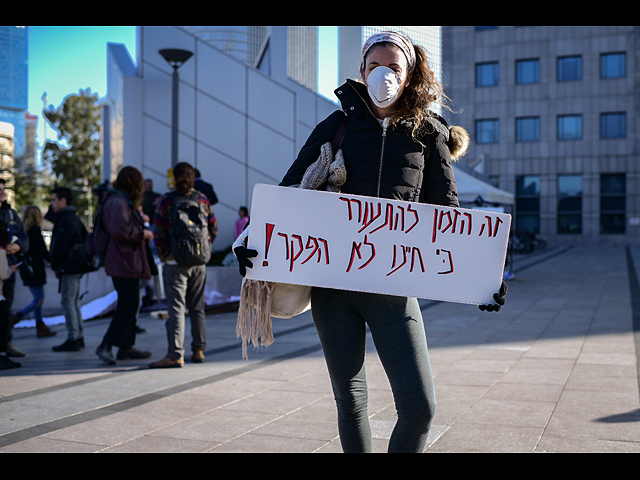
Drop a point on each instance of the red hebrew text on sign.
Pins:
(376, 245)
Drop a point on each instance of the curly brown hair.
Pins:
(185, 176)
(130, 181)
(423, 90)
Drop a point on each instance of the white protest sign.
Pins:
(350, 242)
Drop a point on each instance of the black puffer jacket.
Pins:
(68, 231)
(386, 162)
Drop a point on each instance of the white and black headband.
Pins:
(398, 39)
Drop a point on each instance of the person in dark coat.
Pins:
(395, 148)
(33, 272)
(68, 231)
(126, 263)
(149, 200)
(18, 244)
(205, 187)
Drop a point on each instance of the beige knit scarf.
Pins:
(254, 313)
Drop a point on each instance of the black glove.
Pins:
(243, 254)
(500, 298)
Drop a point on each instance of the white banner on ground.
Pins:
(350, 242)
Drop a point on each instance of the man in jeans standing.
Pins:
(68, 231)
(184, 283)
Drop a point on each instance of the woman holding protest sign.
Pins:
(394, 148)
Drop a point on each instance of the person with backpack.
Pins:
(184, 229)
(125, 262)
(68, 231)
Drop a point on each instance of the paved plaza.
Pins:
(555, 371)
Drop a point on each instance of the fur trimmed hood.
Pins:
(458, 143)
(457, 138)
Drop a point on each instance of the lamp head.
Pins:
(175, 56)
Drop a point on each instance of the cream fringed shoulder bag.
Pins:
(261, 300)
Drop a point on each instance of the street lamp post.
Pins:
(176, 58)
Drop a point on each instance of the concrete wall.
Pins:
(237, 125)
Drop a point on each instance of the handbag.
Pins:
(260, 300)
(26, 270)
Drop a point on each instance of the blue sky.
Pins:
(64, 59)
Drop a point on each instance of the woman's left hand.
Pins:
(500, 298)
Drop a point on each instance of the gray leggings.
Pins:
(398, 333)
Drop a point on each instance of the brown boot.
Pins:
(44, 331)
(198, 355)
(166, 362)
(13, 351)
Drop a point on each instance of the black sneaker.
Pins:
(132, 354)
(7, 364)
(68, 346)
(105, 355)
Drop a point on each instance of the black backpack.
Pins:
(84, 261)
(190, 239)
(97, 240)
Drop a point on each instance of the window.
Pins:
(613, 125)
(528, 129)
(487, 131)
(569, 204)
(527, 71)
(569, 127)
(528, 203)
(612, 203)
(487, 74)
(613, 65)
(569, 68)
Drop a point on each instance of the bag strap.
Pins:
(340, 134)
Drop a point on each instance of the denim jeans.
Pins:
(36, 304)
(396, 325)
(69, 293)
(184, 288)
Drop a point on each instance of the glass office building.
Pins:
(553, 114)
(13, 82)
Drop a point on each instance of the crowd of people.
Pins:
(139, 225)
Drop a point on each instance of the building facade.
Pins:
(7, 131)
(237, 125)
(553, 114)
(250, 44)
(14, 83)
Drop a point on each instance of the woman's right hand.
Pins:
(242, 253)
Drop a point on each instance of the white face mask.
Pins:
(383, 86)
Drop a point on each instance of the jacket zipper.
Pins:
(385, 125)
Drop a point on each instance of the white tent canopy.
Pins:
(470, 188)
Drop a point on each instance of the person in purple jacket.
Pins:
(125, 262)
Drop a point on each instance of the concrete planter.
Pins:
(225, 280)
